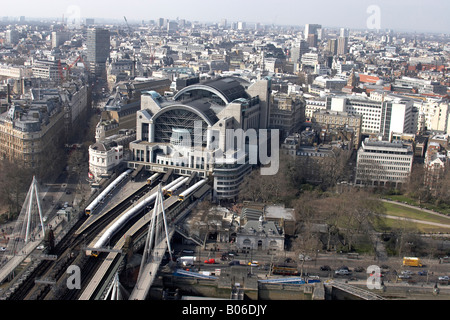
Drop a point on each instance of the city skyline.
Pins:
(411, 16)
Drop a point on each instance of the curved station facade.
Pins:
(207, 129)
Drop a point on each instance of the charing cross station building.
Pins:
(197, 132)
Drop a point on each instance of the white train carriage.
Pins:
(153, 178)
(174, 188)
(191, 189)
(101, 197)
(170, 185)
(119, 223)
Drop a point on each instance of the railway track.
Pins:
(69, 251)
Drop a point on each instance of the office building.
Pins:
(342, 45)
(332, 46)
(31, 135)
(12, 36)
(379, 117)
(59, 37)
(98, 49)
(287, 113)
(311, 34)
(297, 51)
(383, 163)
(47, 69)
(342, 121)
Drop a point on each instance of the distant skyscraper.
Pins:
(332, 46)
(298, 50)
(342, 45)
(343, 41)
(59, 37)
(98, 47)
(311, 34)
(344, 32)
(312, 40)
(12, 36)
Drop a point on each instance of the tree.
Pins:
(15, 179)
(268, 188)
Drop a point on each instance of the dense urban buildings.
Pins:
(340, 114)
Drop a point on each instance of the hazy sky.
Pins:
(410, 15)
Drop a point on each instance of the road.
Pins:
(391, 265)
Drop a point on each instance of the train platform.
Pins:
(119, 195)
(106, 264)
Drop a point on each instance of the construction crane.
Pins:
(129, 29)
(152, 55)
(79, 58)
(61, 76)
(133, 71)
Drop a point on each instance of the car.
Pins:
(422, 273)
(342, 272)
(325, 268)
(253, 264)
(41, 247)
(444, 278)
(407, 272)
(404, 276)
(302, 257)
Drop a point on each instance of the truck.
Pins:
(411, 262)
(187, 260)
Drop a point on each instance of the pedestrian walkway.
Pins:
(10, 263)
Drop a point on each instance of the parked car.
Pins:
(422, 273)
(444, 278)
(404, 276)
(325, 268)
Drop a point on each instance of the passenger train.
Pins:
(131, 212)
(99, 199)
(153, 178)
(191, 189)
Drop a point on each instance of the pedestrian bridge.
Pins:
(353, 290)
